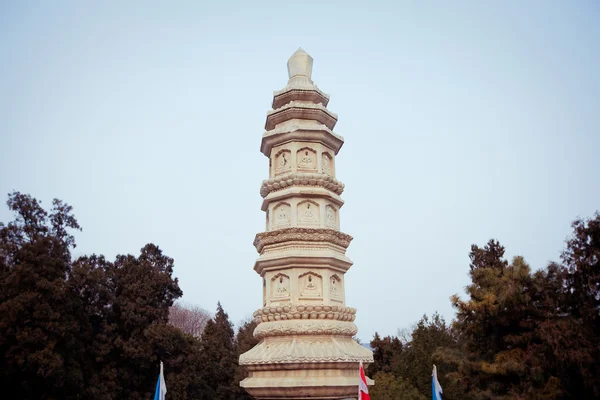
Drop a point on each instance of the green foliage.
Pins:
(388, 387)
(530, 335)
(576, 344)
(500, 357)
(417, 360)
(88, 328)
(218, 357)
(386, 354)
(40, 349)
(411, 364)
(94, 328)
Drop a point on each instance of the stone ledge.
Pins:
(305, 94)
(301, 234)
(298, 110)
(306, 349)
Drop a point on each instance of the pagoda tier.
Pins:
(305, 330)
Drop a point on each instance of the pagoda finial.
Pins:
(300, 64)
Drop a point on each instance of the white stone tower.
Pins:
(306, 350)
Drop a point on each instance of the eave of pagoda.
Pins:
(312, 95)
(302, 131)
(301, 110)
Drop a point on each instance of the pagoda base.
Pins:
(317, 384)
(301, 367)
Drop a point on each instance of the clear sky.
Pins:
(463, 121)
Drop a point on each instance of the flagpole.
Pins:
(359, 377)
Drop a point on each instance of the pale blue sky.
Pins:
(463, 121)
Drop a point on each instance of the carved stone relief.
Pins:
(267, 215)
(264, 292)
(308, 213)
(281, 215)
(327, 164)
(283, 162)
(335, 288)
(311, 285)
(306, 159)
(331, 216)
(280, 287)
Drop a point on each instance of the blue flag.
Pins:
(436, 388)
(161, 387)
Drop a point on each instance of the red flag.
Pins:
(363, 389)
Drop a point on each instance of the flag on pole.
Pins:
(161, 387)
(363, 389)
(436, 388)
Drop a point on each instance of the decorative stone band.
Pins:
(296, 110)
(301, 234)
(304, 312)
(302, 327)
(307, 349)
(313, 95)
(301, 179)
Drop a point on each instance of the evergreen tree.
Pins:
(218, 357)
(501, 354)
(40, 349)
(416, 363)
(386, 354)
(89, 328)
(575, 342)
(389, 387)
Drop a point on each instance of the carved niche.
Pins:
(335, 288)
(327, 164)
(281, 215)
(330, 216)
(311, 285)
(280, 287)
(264, 292)
(306, 159)
(283, 161)
(308, 213)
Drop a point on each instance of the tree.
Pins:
(87, 328)
(189, 318)
(575, 343)
(218, 357)
(416, 362)
(40, 351)
(386, 354)
(389, 387)
(143, 290)
(502, 353)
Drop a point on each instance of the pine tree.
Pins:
(389, 387)
(416, 362)
(386, 354)
(575, 342)
(218, 357)
(502, 352)
(40, 350)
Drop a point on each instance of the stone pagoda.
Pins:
(305, 329)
